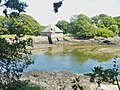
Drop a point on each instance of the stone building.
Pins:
(53, 33)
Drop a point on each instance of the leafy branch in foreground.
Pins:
(13, 60)
(76, 84)
(13, 52)
(13, 7)
(23, 85)
(99, 74)
(57, 5)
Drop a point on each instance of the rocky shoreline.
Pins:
(63, 80)
(41, 45)
(96, 40)
(76, 40)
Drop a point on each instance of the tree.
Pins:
(80, 25)
(13, 53)
(63, 25)
(117, 19)
(13, 7)
(23, 24)
(3, 25)
(95, 19)
(105, 21)
(31, 26)
(104, 32)
(114, 29)
(13, 59)
(16, 27)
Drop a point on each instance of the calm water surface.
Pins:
(77, 59)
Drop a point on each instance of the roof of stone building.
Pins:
(52, 28)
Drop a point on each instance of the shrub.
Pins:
(104, 32)
(22, 85)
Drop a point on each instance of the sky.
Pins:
(42, 10)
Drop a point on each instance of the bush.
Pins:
(104, 32)
(22, 85)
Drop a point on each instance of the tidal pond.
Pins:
(75, 58)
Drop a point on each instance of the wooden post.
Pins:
(50, 40)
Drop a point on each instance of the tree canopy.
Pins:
(63, 25)
(100, 25)
(23, 24)
(13, 7)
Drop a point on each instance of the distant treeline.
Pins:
(100, 25)
(23, 24)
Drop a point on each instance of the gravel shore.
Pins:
(63, 81)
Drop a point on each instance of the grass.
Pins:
(8, 36)
(13, 35)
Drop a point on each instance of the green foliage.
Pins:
(13, 52)
(80, 17)
(30, 25)
(4, 25)
(63, 25)
(13, 7)
(80, 26)
(73, 28)
(102, 75)
(117, 19)
(100, 25)
(21, 25)
(105, 75)
(104, 22)
(104, 32)
(13, 59)
(87, 31)
(22, 85)
(95, 19)
(114, 29)
(0, 1)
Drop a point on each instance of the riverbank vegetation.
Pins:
(97, 26)
(80, 26)
(23, 24)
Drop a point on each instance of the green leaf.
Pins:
(0, 1)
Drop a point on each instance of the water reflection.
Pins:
(73, 58)
(81, 52)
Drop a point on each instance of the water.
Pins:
(70, 59)
(66, 63)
